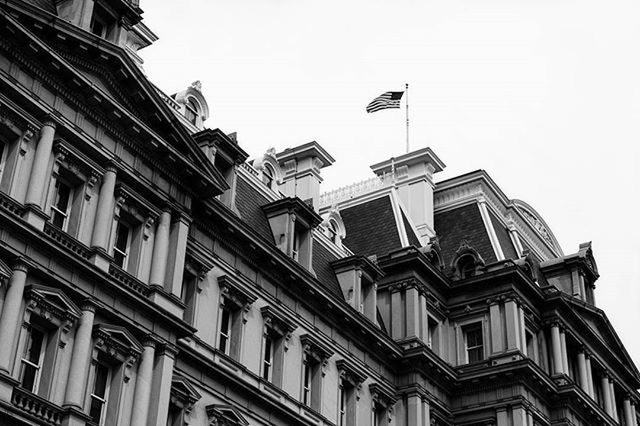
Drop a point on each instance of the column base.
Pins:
(74, 417)
(34, 216)
(100, 258)
(7, 383)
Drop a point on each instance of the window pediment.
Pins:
(315, 349)
(225, 415)
(117, 342)
(183, 394)
(381, 395)
(277, 322)
(351, 373)
(232, 291)
(52, 305)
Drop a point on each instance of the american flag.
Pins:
(384, 101)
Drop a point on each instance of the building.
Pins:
(152, 275)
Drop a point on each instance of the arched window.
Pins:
(268, 175)
(192, 111)
(467, 266)
(332, 231)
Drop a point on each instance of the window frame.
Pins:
(104, 400)
(474, 326)
(53, 208)
(127, 250)
(25, 363)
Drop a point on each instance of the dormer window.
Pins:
(102, 23)
(291, 222)
(467, 266)
(268, 175)
(192, 111)
(467, 262)
(357, 276)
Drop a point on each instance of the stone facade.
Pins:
(151, 275)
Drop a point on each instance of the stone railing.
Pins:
(37, 407)
(9, 204)
(129, 280)
(250, 169)
(66, 240)
(355, 189)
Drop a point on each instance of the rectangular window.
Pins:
(99, 393)
(473, 342)
(296, 245)
(225, 330)
(3, 156)
(121, 244)
(188, 296)
(432, 331)
(61, 206)
(267, 361)
(342, 409)
(306, 384)
(32, 359)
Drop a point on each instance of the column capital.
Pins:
(168, 349)
(150, 341)
(111, 167)
(22, 264)
(89, 305)
(50, 121)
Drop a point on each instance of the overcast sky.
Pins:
(543, 95)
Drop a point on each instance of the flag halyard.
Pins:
(385, 101)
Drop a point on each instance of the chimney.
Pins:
(413, 177)
(301, 169)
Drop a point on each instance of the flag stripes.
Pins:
(384, 101)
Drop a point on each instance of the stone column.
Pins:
(160, 250)
(34, 212)
(590, 376)
(512, 324)
(177, 254)
(104, 214)
(582, 372)
(424, 318)
(161, 389)
(9, 320)
(606, 394)
(142, 392)
(519, 415)
(397, 317)
(556, 349)
(495, 320)
(563, 347)
(614, 406)
(634, 414)
(412, 303)
(628, 417)
(502, 417)
(38, 176)
(414, 410)
(80, 357)
(523, 331)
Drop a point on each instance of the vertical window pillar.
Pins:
(34, 213)
(589, 375)
(614, 406)
(104, 213)
(161, 389)
(177, 253)
(495, 319)
(142, 394)
(626, 405)
(556, 349)
(606, 393)
(160, 250)
(563, 348)
(11, 314)
(80, 357)
(582, 371)
(512, 322)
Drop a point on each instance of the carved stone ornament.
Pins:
(225, 415)
(52, 305)
(117, 343)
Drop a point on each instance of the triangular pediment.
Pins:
(598, 322)
(181, 388)
(113, 90)
(55, 298)
(225, 415)
(119, 335)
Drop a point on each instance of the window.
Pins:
(188, 296)
(225, 330)
(61, 205)
(295, 253)
(121, 244)
(32, 359)
(99, 392)
(432, 337)
(467, 266)
(307, 381)
(474, 347)
(315, 356)
(382, 398)
(192, 111)
(342, 406)
(276, 334)
(3, 155)
(268, 175)
(267, 359)
(102, 23)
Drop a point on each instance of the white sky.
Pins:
(544, 95)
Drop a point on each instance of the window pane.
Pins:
(266, 373)
(96, 409)
(100, 384)
(225, 323)
(35, 346)
(28, 376)
(122, 237)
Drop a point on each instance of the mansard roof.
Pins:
(108, 84)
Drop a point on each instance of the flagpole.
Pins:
(407, 103)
